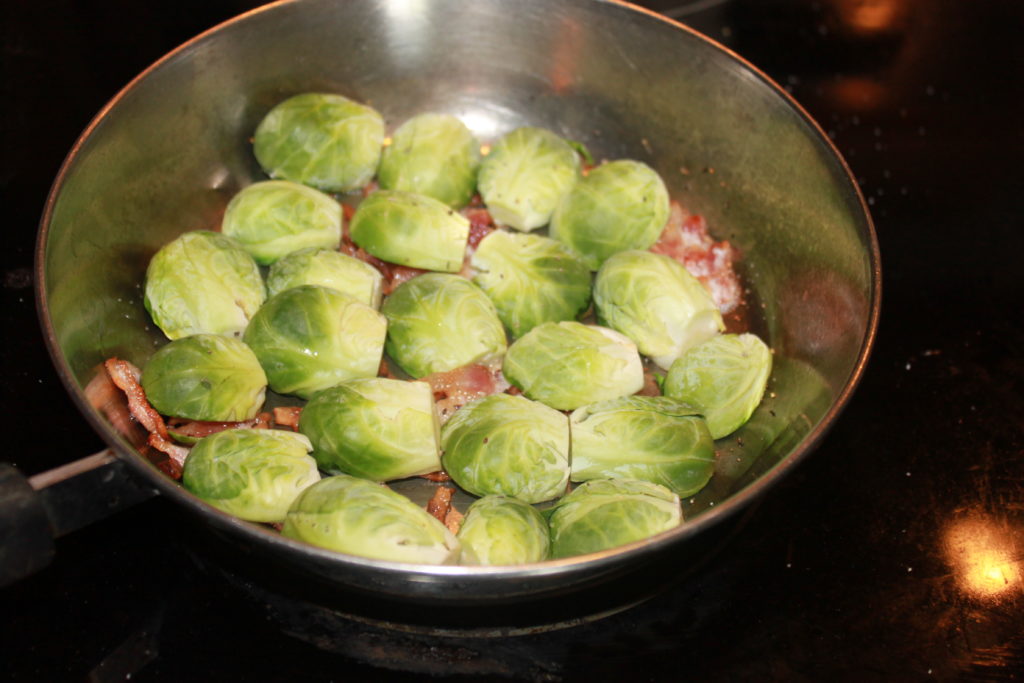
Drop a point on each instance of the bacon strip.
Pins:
(453, 520)
(686, 239)
(287, 416)
(440, 476)
(440, 503)
(455, 388)
(197, 429)
(126, 377)
(175, 464)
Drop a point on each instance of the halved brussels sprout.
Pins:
(724, 377)
(253, 474)
(310, 338)
(319, 139)
(203, 282)
(619, 205)
(411, 230)
(526, 174)
(653, 300)
(438, 322)
(360, 517)
(568, 364)
(507, 445)
(434, 155)
(276, 217)
(377, 428)
(531, 279)
(327, 268)
(499, 530)
(205, 377)
(654, 438)
(607, 513)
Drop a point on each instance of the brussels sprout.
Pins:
(411, 230)
(360, 517)
(327, 268)
(606, 513)
(276, 217)
(568, 364)
(617, 206)
(653, 300)
(438, 322)
(323, 140)
(531, 279)
(507, 445)
(724, 377)
(253, 474)
(309, 338)
(203, 282)
(501, 530)
(654, 438)
(205, 377)
(434, 155)
(525, 175)
(377, 428)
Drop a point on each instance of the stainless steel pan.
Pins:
(170, 149)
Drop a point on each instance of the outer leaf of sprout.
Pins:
(327, 268)
(359, 517)
(253, 474)
(376, 428)
(508, 445)
(326, 141)
(310, 338)
(205, 377)
(203, 282)
(500, 530)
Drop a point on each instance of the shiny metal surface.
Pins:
(169, 151)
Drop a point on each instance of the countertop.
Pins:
(895, 552)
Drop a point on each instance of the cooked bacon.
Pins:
(650, 387)
(103, 395)
(440, 476)
(686, 239)
(440, 502)
(126, 377)
(287, 416)
(455, 388)
(175, 463)
(480, 225)
(197, 429)
(453, 520)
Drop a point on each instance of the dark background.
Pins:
(896, 552)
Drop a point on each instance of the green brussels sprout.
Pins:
(253, 474)
(499, 530)
(526, 174)
(607, 513)
(619, 205)
(323, 140)
(507, 445)
(276, 217)
(438, 322)
(434, 155)
(724, 377)
(205, 377)
(653, 300)
(568, 364)
(376, 428)
(327, 268)
(359, 517)
(310, 338)
(654, 438)
(411, 230)
(531, 279)
(203, 282)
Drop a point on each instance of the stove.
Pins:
(894, 552)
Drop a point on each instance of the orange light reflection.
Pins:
(986, 554)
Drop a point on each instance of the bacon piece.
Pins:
(455, 388)
(126, 377)
(650, 387)
(686, 239)
(197, 429)
(175, 463)
(453, 520)
(103, 395)
(440, 476)
(287, 416)
(440, 502)
(481, 224)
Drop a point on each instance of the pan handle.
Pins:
(36, 510)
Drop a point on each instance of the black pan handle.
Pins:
(34, 511)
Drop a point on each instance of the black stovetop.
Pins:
(895, 552)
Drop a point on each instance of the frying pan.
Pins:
(168, 152)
